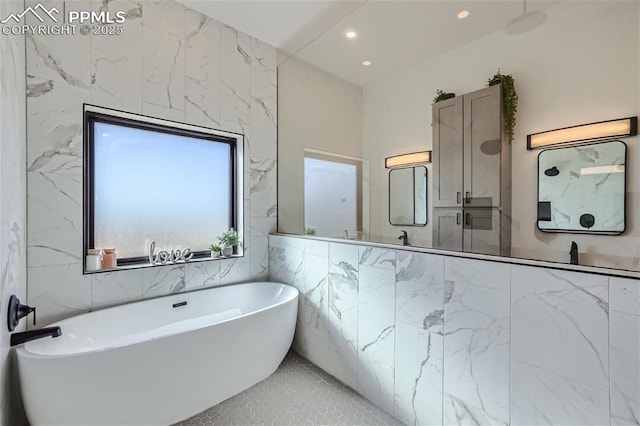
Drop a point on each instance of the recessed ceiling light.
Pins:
(351, 34)
(366, 63)
(463, 14)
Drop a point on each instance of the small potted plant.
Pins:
(228, 240)
(509, 101)
(215, 250)
(441, 95)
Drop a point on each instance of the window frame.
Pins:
(93, 114)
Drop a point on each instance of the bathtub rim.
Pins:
(21, 351)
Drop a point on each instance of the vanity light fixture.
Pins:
(610, 129)
(366, 63)
(463, 14)
(408, 159)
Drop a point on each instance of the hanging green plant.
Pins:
(509, 101)
(442, 95)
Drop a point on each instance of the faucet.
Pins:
(346, 234)
(27, 336)
(573, 253)
(403, 236)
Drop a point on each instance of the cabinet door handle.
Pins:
(458, 218)
(458, 197)
(467, 197)
(467, 219)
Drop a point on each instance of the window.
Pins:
(154, 180)
(337, 181)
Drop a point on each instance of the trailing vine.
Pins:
(509, 101)
(442, 95)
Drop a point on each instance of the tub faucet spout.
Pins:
(27, 336)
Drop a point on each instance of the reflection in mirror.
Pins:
(333, 193)
(408, 196)
(582, 188)
(482, 188)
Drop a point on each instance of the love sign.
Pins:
(172, 256)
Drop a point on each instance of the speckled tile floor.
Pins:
(298, 393)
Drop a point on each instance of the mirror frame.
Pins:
(578, 231)
(426, 198)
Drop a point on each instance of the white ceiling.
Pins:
(393, 34)
(288, 25)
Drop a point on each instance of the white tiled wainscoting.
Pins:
(434, 339)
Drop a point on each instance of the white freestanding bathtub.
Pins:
(158, 361)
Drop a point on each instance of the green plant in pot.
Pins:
(509, 101)
(228, 240)
(441, 95)
(215, 250)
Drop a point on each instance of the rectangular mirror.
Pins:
(408, 196)
(582, 189)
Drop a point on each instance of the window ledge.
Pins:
(149, 265)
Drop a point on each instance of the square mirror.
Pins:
(582, 189)
(408, 196)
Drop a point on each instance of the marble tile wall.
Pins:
(438, 340)
(173, 63)
(13, 194)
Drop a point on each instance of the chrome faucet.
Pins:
(346, 234)
(404, 237)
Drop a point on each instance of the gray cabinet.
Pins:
(447, 228)
(447, 153)
(472, 171)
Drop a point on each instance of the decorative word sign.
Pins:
(172, 256)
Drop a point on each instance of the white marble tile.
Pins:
(55, 219)
(343, 312)
(377, 257)
(458, 412)
(624, 295)
(236, 44)
(163, 68)
(260, 229)
(166, 15)
(202, 102)
(418, 375)
(478, 272)
(113, 288)
(542, 397)
(286, 265)
(263, 100)
(235, 96)
(202, 55)
(316, 248)
(263, 187)
(162, 280)
(58, 292)
(54, 126)
(420, 289)
(236, 270)
(109, 88)
(376, 334)
(157, 111)
(312, 333)
(63, 59)
(201, 274)
(476, 347)
(560, 322)
(624, 338)
(129, 43)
